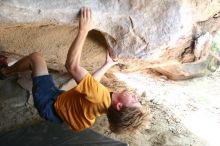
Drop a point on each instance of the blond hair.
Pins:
(128, 119)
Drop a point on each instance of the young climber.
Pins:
(79, 106)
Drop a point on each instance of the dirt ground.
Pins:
(185, 113)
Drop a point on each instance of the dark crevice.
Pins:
(98, 37)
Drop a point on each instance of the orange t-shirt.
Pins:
(80, 106)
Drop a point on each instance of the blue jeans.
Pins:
(45, 93)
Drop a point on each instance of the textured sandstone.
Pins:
(137, 31)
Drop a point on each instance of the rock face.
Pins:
(137, 31)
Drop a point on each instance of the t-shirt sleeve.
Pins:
(93, 90)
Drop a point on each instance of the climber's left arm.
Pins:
(98, 74)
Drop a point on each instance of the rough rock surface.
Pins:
(138, 29)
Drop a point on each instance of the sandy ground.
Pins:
(185, 113)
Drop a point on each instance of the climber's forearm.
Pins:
(98, 74)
